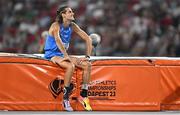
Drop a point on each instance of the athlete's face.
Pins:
(69, 14)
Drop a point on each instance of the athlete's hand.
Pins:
(84, 59)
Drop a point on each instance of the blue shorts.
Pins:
(50, 54)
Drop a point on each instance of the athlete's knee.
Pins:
(87, 65)
(71, 66)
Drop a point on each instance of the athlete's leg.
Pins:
(69, 66)
(85, 65)
(66, 65)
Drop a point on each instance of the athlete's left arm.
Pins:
(84, 36)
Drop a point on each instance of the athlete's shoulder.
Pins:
(55, 25)
(75, 26)
(54, 28)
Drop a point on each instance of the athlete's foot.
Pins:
(85, 102)
(67, 105)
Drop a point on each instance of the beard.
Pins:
(72, 19)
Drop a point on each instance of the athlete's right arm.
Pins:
(55, 32)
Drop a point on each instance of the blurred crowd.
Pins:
(126, 27)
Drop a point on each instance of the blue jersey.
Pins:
(51, 49)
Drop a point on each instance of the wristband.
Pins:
(87, 56)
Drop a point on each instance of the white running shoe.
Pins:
(67, 105)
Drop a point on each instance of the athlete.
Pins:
(56, 45)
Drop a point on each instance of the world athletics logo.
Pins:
(56, 87)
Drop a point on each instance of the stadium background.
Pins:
(127, 27)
